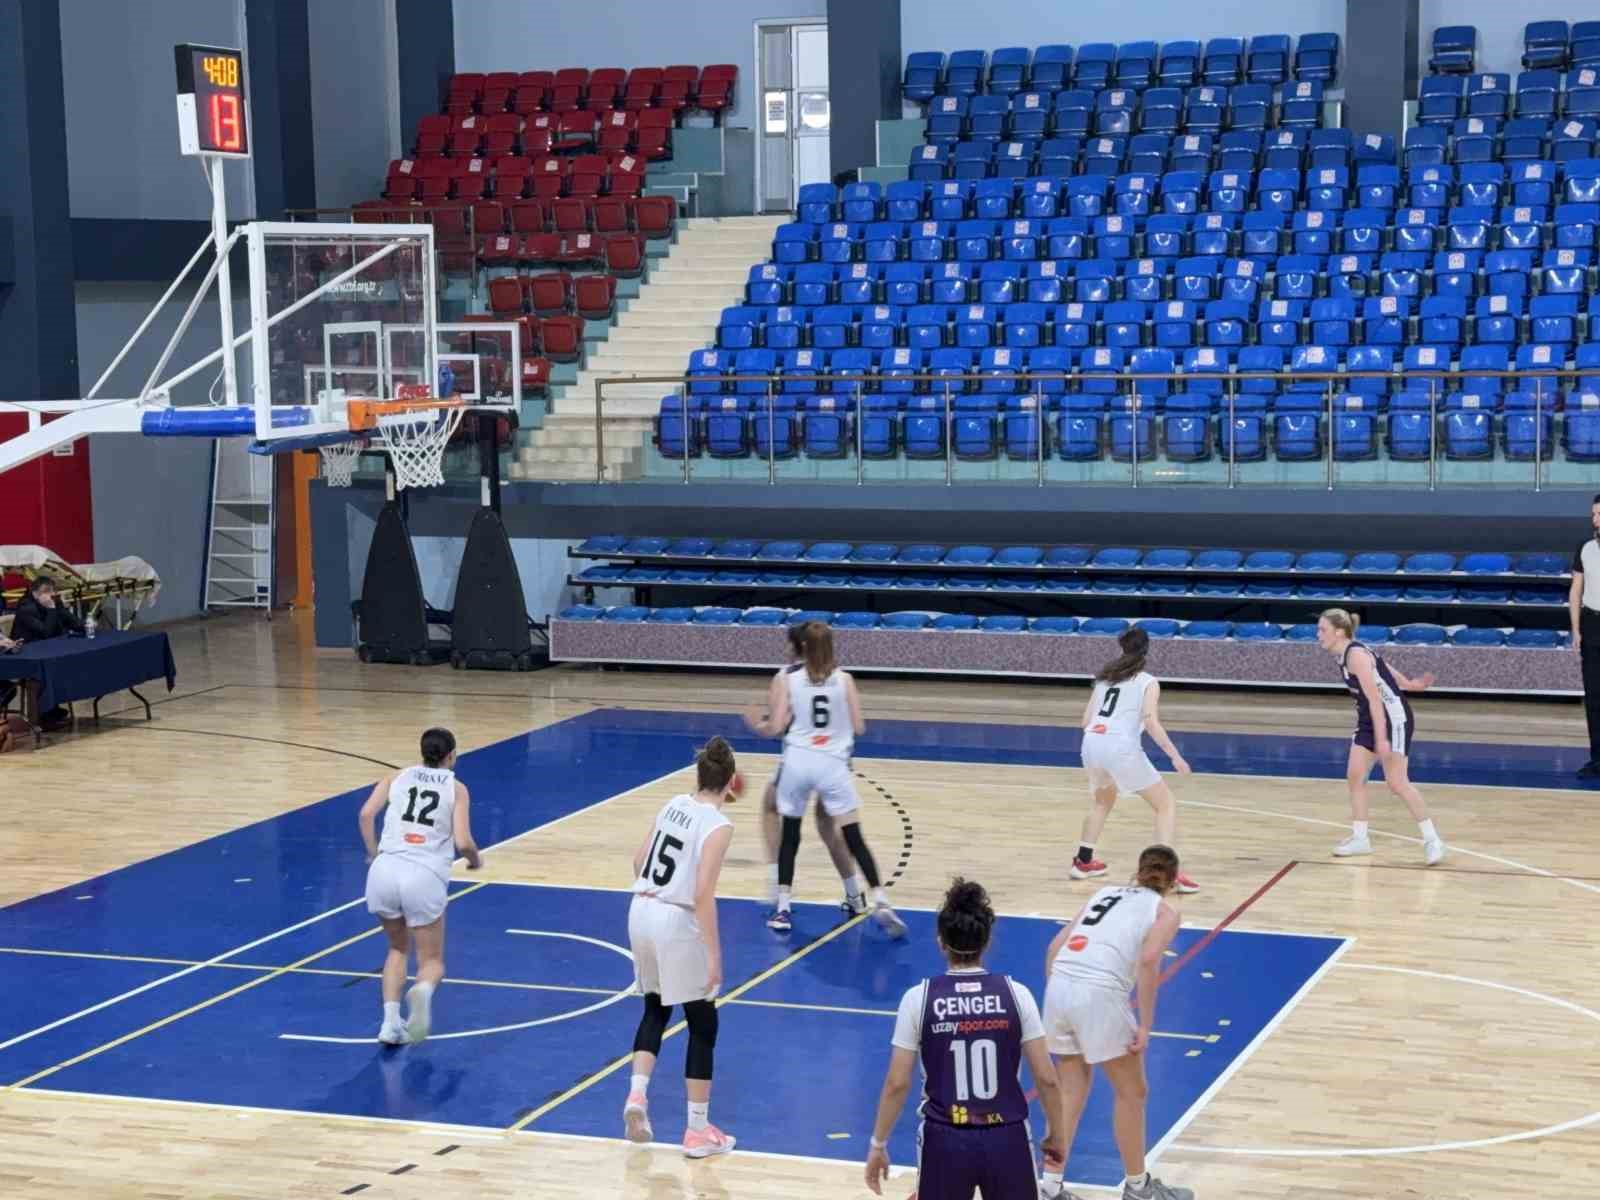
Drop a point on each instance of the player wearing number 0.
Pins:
(1385, 730)
(818, 714)
(426, 822)
(1115, 943)
(972, 1030)
(1124, 705)
(677, 956)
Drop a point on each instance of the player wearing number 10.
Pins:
(677, 957)
(426, 821)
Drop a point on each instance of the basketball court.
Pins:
(196, 970)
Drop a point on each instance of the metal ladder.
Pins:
(239, 554)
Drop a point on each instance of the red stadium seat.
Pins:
(433, 134)
(542, 249)
(656, 216)
(401, 182)
(466, 136)
(595, 297)
(502, 250)
(462, 94)
(549, 294)
(625, 255)
(502, 134)
(605, 89)
(573, 214)
(613, 214)
(627, 177)
(528, 216)
(549, 178)
(641, 88)
(497, 89)
(617, 130)
(716, 92)
(471, 178)
(509, 177)
(678, 86)
(506, 296)
(528, 99)
(433, 179)
(588, 176)
(488, 218)
(535, 374)
(576, 130)
(655, 134)
(562, 338)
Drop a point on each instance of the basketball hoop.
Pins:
(413, 431)
(339, 461)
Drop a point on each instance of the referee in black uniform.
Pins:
(1583, 602)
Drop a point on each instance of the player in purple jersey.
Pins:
(972, 1030)
(1385, 730)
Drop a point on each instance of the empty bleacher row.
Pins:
(1543, 95)
(1552, 45)
(675, 89)
(1221, 61)
(932, 623)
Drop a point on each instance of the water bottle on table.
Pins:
(89, 626)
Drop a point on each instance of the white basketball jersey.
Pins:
(1117, 709)
(419, 823)
(819, 714)
(672, 864)
(1103, 947)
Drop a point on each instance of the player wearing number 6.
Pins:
(677, 956)
(426, 821)
(1125, 705)
(972, 1030)
(818, 714)
(1114, 945)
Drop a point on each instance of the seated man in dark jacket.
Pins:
(41, 616)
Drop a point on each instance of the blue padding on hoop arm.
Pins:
(205, 421)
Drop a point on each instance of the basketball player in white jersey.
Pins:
(1124, 705)
(818, 713)
(677, 956)
(1385, 729)
(1113, 946)
(426, 822)
(855, 894)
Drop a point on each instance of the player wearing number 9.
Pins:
(677, 956)
(973, 1031)
(426, 822)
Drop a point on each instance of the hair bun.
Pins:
(717, 750)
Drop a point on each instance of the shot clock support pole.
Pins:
(219, 238)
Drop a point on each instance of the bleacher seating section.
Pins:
(1053, 240)
(1514, 600)
(1546, 46)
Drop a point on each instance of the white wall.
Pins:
(121, 108)
(515, 35)
(1499, 27)
(963, 25)
(354, 93)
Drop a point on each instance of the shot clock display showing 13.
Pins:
(211, 107)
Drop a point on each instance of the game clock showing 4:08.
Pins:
(211, 109)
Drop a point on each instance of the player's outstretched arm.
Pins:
(777, 716)
(705, 900)
(368, 818)
(891, 1102)
(461, 828)
(1049, 1087)
(1158, 731)
(1149, 978)
(1420, 684)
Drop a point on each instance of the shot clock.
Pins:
(212, 118)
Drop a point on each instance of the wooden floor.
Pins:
(1424, 1064)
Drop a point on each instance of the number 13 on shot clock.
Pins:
(212, 119)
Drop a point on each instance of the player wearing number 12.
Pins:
(426, 821)
(677, 956)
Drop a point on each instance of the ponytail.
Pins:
(1135, 644)
(1158, 869)
(820, 662)
(714, 766)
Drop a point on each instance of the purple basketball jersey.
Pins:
(972, 1051)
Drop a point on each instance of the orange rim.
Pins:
(362, 415)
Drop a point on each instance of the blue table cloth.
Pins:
(75, 668)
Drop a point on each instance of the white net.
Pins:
(415, 442)
(339, 461)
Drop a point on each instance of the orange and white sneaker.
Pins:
(703, 1143)
(636, 1119)
(1186, 886)
(1089, 870)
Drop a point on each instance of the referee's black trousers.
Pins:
(1589, 631)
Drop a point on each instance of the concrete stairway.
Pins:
(675, 314)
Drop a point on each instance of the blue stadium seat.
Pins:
(1453, 49)
(1269, 560)
(1375, 562)
(1485, 564)
(1546, 639)
(1478, 637)
(1159, 627)
(764, 617)
(1003, 624)
(602, 544)
(1208, 630)
(627, 614)
(603, 574)
(1420, 634)
(1542, 564)
(1067, 556)
(922, 77)
(1320, 560)
(1258, 631)
(1218, 560)
(856, 620)
(1431, 563)
(906, 620)
(1103, 626)
(954, 622)
(582, 612)
(806, 616)
(1117, 557)
(670, 616)
(1167, 559)
(1300, 633)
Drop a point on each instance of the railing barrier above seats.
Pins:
(1141, 399)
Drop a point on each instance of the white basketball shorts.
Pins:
(669, 955)
(398, 888)
(1125, 762)
(806, 771)
(1079, 1018)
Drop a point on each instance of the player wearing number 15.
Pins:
(426, 822)
(972, 1030)
(677, 956)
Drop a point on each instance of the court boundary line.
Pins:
(1175, 1130)
(1437, 1147)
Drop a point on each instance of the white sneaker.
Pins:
(393, 1035)
(1056, 1191)
(854, 906)
(1433, 851)
(636, 1120)
(1353, 845)
(890, 920)
(419, 1012)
